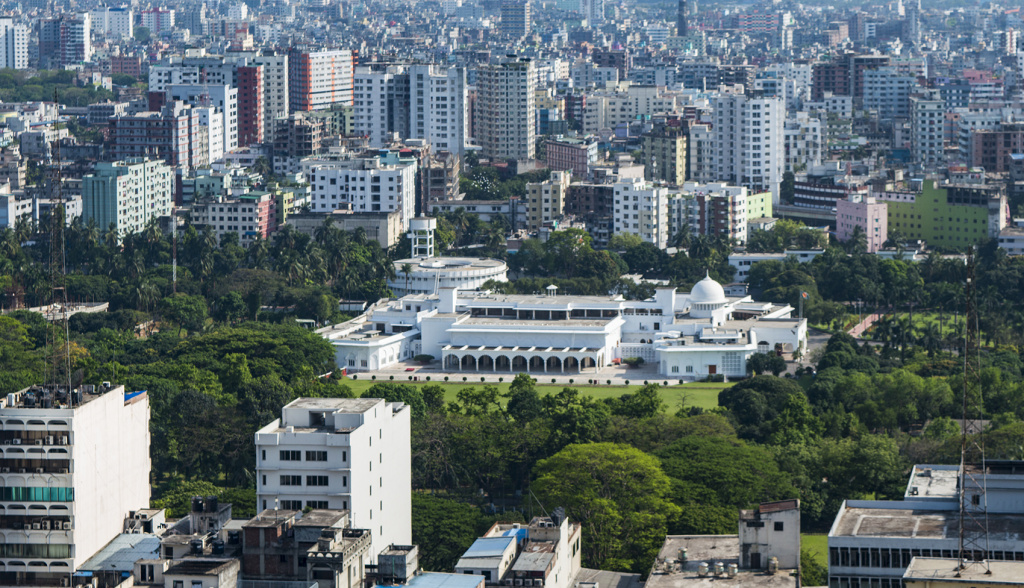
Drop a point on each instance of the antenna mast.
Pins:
(58, 369)
(973, 539)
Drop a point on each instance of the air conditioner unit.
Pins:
(64, 471)
(35, 526)
(39, 470)
(508, 582)
(67, 525)
(49, 440)
(6, 470)
(519, 582)
(17, 441)
(65, 581)
(46, 525)
(39, 441)
(21, 470)
(63, 440)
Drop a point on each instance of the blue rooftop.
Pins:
(437, 580)
(489, 547)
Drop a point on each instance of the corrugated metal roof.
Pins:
(488, 547)
(123, 551)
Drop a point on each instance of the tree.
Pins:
(768, 409)
(787, 188)
(643, 404)
(188, 312)
(618, 494)
(142, 35)
(524, 403)
(411, 395)
(763, 363)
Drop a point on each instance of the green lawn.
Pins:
(817, 545)
(702, 394)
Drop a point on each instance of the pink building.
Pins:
(250, 216)
(864, 212)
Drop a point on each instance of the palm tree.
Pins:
(858, 242)
(406, 270)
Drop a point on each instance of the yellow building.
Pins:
(545, 201)
(664, 156)
(934, 572)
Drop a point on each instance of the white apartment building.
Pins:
(115, 23)
(379, 184)
(317, 80)
(642, 209)
(841, 106)
(927, 130)
(504, 116)
(377, 110)
(162, 77)
(349, 454)
(212, 118)
(158, 19)
(222, 96)
(74, 465)
(887, 92)
(438, 107)
(13, 44)
(749, 141)
(275, 88)
(127, 193)
(609, 109)
(803, 142)
(586, 74)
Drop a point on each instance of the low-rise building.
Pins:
(252, 216)
(868, 214)
(546, 200)
(575, 155)
(545, 553)
(947, 215)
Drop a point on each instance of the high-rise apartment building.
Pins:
(438, 103)
(127, 194)
(74, 465)
(318, 80)
(250, 105)
(115, 23)
(748, 141)
(503, 120)
(927, 130)
(158, 20)
(13, 44)
(175, 134)
(381, 103)
(377, 184)
(545, 201)
(66, 40)
(682, 26)
(343, 454)
(515, 18)
(641, 209)
(664, 155)
(221, 96)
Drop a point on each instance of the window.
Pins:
(291, 504)
(316, 480)
(291, 480)
(291, 455)
(179, 584)
(316, 504)
(778, 525)
(316, 456)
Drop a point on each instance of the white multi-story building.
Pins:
(74, 465)
(165, 75)
(212, 118)
(345, 454)
(127, 194)
(438, 107)
(379, 108)
(13, 44)
(927, 130)
(749, 141)
(803, 142)
(158, 20)
(504, 115)
(318, 80)
(378, 184)
(642, 209)
(545, 553)
(222, 96)
(610, 109)
(115, 23)
(701, 142)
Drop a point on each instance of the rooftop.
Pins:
(345, 405)
(447, 264)
(934, 568)
(322, 518)
(437, 580)
(709, 549)
(271, 518)
(920, 522)
(122, 552)
(57, 397)
(200, 567)
(606, 579)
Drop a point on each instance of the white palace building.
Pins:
(688, 336)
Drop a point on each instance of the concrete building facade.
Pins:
(127, 194)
